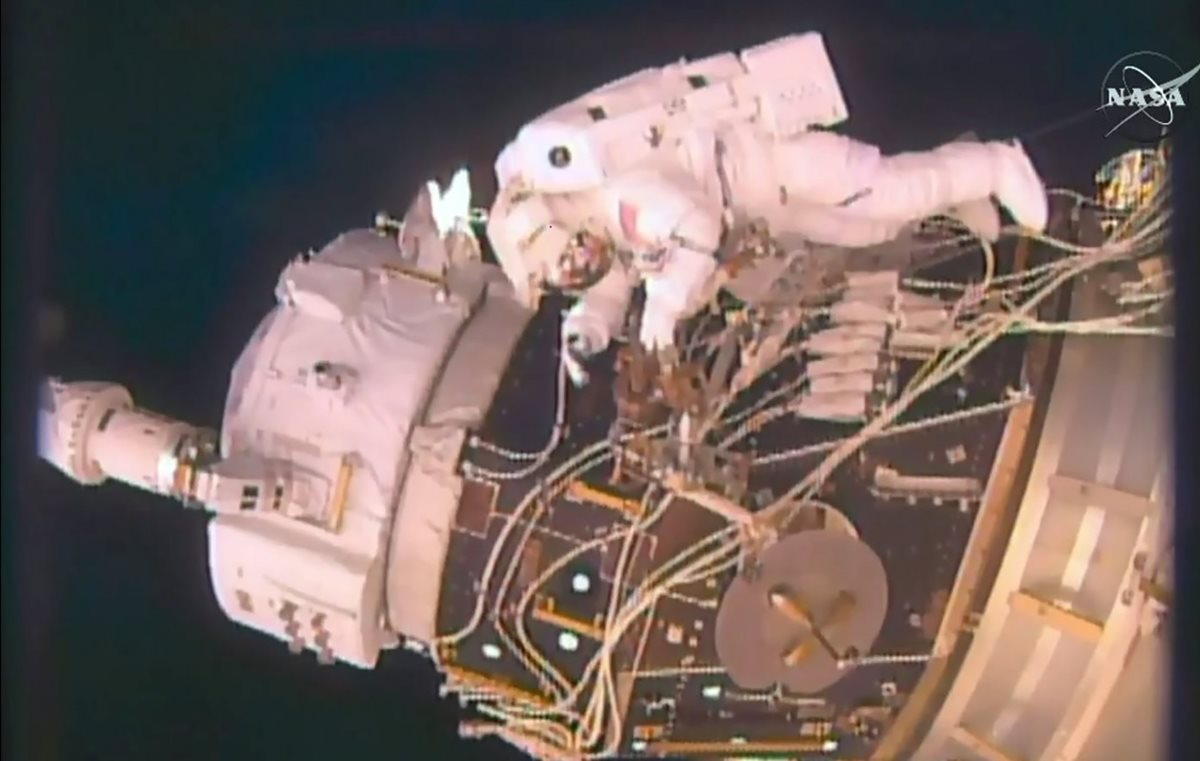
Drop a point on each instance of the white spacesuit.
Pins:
(661, 217)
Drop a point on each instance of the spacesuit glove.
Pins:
(675, 293)
(576, 349)
(591, 322)
(658, 329)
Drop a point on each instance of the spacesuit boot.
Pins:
(1019, 188)
(911, 186)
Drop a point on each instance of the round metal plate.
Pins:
(814, 515)
(814, 567)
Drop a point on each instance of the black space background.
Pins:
(162, 160)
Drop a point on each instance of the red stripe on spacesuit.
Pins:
(628, 215)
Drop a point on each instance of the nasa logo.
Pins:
(1142, 96)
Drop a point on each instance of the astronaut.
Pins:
(663, 226)
(663, 217)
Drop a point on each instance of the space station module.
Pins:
(651, 178)
(334, 481)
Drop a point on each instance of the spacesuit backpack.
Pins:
(783, 88)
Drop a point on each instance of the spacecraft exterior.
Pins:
(826, 529)
(352, 399)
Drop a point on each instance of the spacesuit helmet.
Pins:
(537, 252)
(583, 261)
(524, 240)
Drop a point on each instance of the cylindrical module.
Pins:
(67, 416)
(93, 432)
(139, 448)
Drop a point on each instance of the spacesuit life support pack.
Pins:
(641, 181)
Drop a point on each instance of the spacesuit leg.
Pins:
(592, 321)
(911, 186)
(835, 170)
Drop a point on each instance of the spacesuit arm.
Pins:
(676, 292)
(595, 319)
(671, 217)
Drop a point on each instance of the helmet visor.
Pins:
(584, 261)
